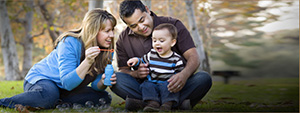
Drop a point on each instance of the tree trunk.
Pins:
(27, 46)
(95, 4)
(204, 62)
(49, 19)
(170, 8)
(147, 3)
(8, 45)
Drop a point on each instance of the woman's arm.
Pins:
(90, 55)
(71, 71)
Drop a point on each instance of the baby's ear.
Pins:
(173, 42)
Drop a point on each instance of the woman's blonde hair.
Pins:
(93, 22)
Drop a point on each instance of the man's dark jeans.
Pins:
(195, 88)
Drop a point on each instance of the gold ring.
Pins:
(178, 86)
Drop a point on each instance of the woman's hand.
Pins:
(113, 79)
(91, 53)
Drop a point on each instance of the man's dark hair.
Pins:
(127, 8)
(170, 27)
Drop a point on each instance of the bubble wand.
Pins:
(109, 50)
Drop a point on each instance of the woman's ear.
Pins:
(173, 42)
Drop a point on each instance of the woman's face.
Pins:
(106, 35)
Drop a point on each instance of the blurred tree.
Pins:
(233, 26)
(49, 17)
(9, 51)
(147, 3)
(21, 15)
(204, 62)
(27, 41)
(95, 4)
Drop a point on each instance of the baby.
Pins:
(163, 63)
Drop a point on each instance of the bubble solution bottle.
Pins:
(109, 70)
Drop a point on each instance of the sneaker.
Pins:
(21, 108)
(132, 104)
(166, 106)
(185, 105)
(152, 106)
(26, 109)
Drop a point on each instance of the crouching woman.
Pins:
(76, 61)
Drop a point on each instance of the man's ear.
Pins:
(173, 42)
(147, 9)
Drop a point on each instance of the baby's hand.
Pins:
(131, 62)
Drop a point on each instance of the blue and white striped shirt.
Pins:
(163, 68)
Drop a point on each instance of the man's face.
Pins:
(140, 22)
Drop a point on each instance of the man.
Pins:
(135, 41)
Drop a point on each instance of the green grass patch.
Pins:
(253, 95)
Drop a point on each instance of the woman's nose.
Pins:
(111, 34)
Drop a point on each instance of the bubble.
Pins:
(58, 106)
(89, 104)
(102, 101)
(77, 106)
(66, 105)
(109, 96)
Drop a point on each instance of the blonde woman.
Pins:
(75, 62)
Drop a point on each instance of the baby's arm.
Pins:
(133, 61)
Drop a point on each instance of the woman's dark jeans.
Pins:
(46, 94)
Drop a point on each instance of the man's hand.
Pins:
(176, 82)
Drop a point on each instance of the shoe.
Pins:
(152, 106)
(26, 109)
(132, 104)
(185, 105)
(166, 106)
(21, 108)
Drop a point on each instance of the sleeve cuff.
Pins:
(71, 81)
(95, 82)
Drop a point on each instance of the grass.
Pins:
(254, 95)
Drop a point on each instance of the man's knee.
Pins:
(204, 77)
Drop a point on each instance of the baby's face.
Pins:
(162, 42)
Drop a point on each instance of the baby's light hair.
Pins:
(170, 27)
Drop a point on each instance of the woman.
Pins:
(75, 62)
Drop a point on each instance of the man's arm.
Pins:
(177, 81)
(193, 62)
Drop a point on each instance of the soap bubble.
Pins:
(102, 101)
(89, 104)
(77, 106)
